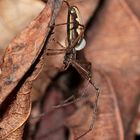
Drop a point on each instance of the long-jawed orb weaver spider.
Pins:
(75, 42)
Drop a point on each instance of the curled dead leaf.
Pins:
(23, 60)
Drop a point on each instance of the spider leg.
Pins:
(57, 42)
(54, 53)
(71, 100)
(87, 75)
(59, 50)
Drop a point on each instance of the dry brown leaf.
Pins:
(17, 135)
(15, 15)
(21, 60)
